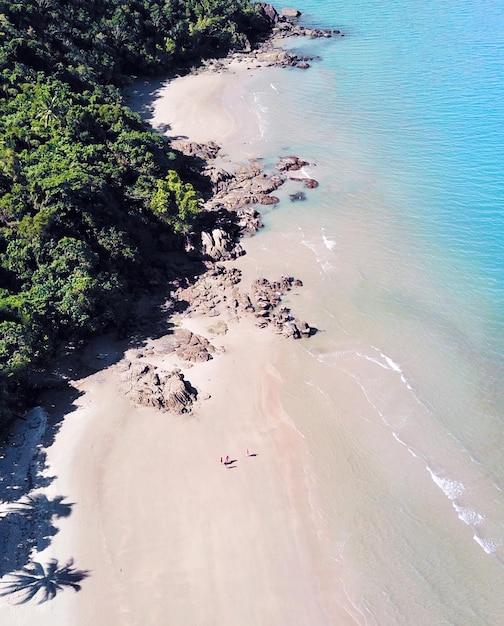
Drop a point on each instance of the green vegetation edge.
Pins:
(93, 203)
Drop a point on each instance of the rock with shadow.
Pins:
(148, 385)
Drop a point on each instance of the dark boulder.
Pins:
(298, 196)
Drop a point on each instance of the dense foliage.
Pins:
(89, 196)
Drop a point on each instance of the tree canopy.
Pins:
(89, 195)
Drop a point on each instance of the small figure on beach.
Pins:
(221, 460)
(248, 453)
(227, 458)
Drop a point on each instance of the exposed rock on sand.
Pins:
(186, 345)
(204, 151)
(266, 54)
(147, 385)
(218, 245)
(249, 221)
(216, 292)
(268, 296)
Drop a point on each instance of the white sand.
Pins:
(169, 535)
(211, 106)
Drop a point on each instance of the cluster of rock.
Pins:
(230, 210)
(214, 293)
(268, 296)
(229, 215)
(285, 24)
(292, 164)
(186, 346)
(217, 292)
(217, 245)
(148, 385)
(245, 185)
(251, 184)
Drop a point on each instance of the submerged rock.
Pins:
(290, 163)
(299, 195)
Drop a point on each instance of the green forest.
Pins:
(90, 196)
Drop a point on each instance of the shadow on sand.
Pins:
(40, 582)
(28, 517)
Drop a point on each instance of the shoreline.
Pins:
(151, 512)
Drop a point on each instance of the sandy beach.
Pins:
(364, 481)
(165, 532)
(213, 105)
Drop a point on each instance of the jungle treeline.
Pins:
(90, 198)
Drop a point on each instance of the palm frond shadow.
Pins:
(27, 526)
(43, 582)
(40, 502)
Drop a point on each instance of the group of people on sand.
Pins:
(227, 461)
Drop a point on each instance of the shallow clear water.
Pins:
(401, 249)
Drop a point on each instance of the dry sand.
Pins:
(168, 533)
(210, 106)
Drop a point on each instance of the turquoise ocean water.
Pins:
(401, 249)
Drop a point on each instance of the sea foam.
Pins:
(451, 488)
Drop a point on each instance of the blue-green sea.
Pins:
(401, 250)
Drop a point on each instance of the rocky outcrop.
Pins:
(218, 245)
(309, 183)
(235, 190)
(246, 185)
(204, 151)
(298, 196)
(218, 291)
(267, 53)
(251, 185)
(249, 221)
(213, 293)
(290, 14)
(268, 296)
(269, 11)
(287, 325)
(290, 164)
(147, 385)
(287, 20)
(186, 346)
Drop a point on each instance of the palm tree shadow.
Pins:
(26, 526)
(43, 582)
(41, 503)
